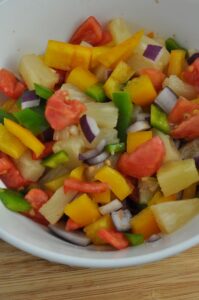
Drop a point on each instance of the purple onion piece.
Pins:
(197, 161)
(152, 52)
(89, 128)
(29, 99)
(166, 99)
(192, 58)
(94, 152)
(139, 126)
(47, 135)
(98, 159)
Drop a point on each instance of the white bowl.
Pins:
(26, 25)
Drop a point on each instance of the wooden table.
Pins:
(24, 277)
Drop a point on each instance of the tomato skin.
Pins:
(157, 77)
(191, 75)
(5, 165)
(47, 151)
(36, 217)
(181, 110)
(37, 198)
(71, 184)
(61, 112)
(106, 38)
(10, 85)
(114, 238)
(71, 225)
(144, 161)
(89, 31)
(188, 129)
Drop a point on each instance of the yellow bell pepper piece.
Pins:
(82, 78)
(82, 210)
(115, 180)
(135, 139)
(190, 192)
(159, 198)
(9, 144)
(120, 52)
(141, 90)
(91, 230)
(102, 198)
(78, 173)
(122, 72)
(55, 184)
(111, 86)
(96, 52)
(145, 223)
(176, 62)
(81, 57)
(8, 104)
(25, 136)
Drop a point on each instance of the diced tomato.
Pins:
(157, 77)
(191, 74)
(182, 110)
(47, 151)
(89, 31)
(188, 129)
(114, 238)
(106, 38)
(71, 184)
(10, 85)
(5, 165)
(61, 112)
(36, 217)
(37, 198)
(144, 161)
(72, 226)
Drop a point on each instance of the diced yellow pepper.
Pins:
(82, 210)
(145, 223)
(78, 173)
(54, 184)
(141, 90)
(122, 72)
(9, 144)
(96, 52)
(115, 180)
(135, 139)
(176, 62)
(82, 78)
(42, 57)
(102, 198)
(8, 104)
(111, 86)
(82, 57)
(159, 198)
(91, 230)
(25, 136)
(120, 52)
(190, 192)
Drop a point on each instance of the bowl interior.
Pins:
(26, 26)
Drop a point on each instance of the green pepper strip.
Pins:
(122, 101)
(135, 239)
(96, 92)
(115, 148)
(55, 159)
(42, 91)
(172, 44)
(159, 119)
(4, 114)
(14, 201)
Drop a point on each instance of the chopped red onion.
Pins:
(192, 58)
(77, 237)
(197, 161)
(152, 52)
(98, 159)
(29, 99)
(110, 207)
(139, 126)
(154, 238)
(166, 99)
(94, 152)
(89, 128)
(121, 219)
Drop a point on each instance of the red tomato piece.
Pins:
(106, 38)
(188, 129)
(5, 165)
(71, 184)
(157, 77)
(61, 112)
(36, 217)
(72, 226)
(10, 85)
(144, 161)
(191, 74)
(89, 31)
(114, 238)
(47, 151)
(183, 109)
(37, 198)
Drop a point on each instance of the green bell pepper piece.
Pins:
(159, 119)
(172, 44)
(96, 92)
(115, 148)
(55, 159)
(4, 114)
(14, 201)
(42, 91)
(32, 120)
(122, 101)
(135, 239)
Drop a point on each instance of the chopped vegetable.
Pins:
(78, 173)
(172, 44)
(176, 63)
(55, 159)
(37, 198)
(14, 201)
(180, 88)
(159, 198)
(122, 72)
(138, 126)
(121, 219)
(96, 92)
(156, 76)
(71, 184)
(89, 128)
(192, 58)
(152, 51)
(10, 85)
(187, 129)
(135, 239)
(81, 78)
(71, 225)
(110, 207)
(166, 99)
(102, 198)
(42, 91)
(55, 184)
(159, 119)
(114, 238)
(115, 148)
(120, 30)
(136, 139)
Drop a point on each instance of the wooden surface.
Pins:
(24, 277)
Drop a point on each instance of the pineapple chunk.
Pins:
(33, 70)
(119, 30)
(175, 176)
(170, 216)
(75, 93)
